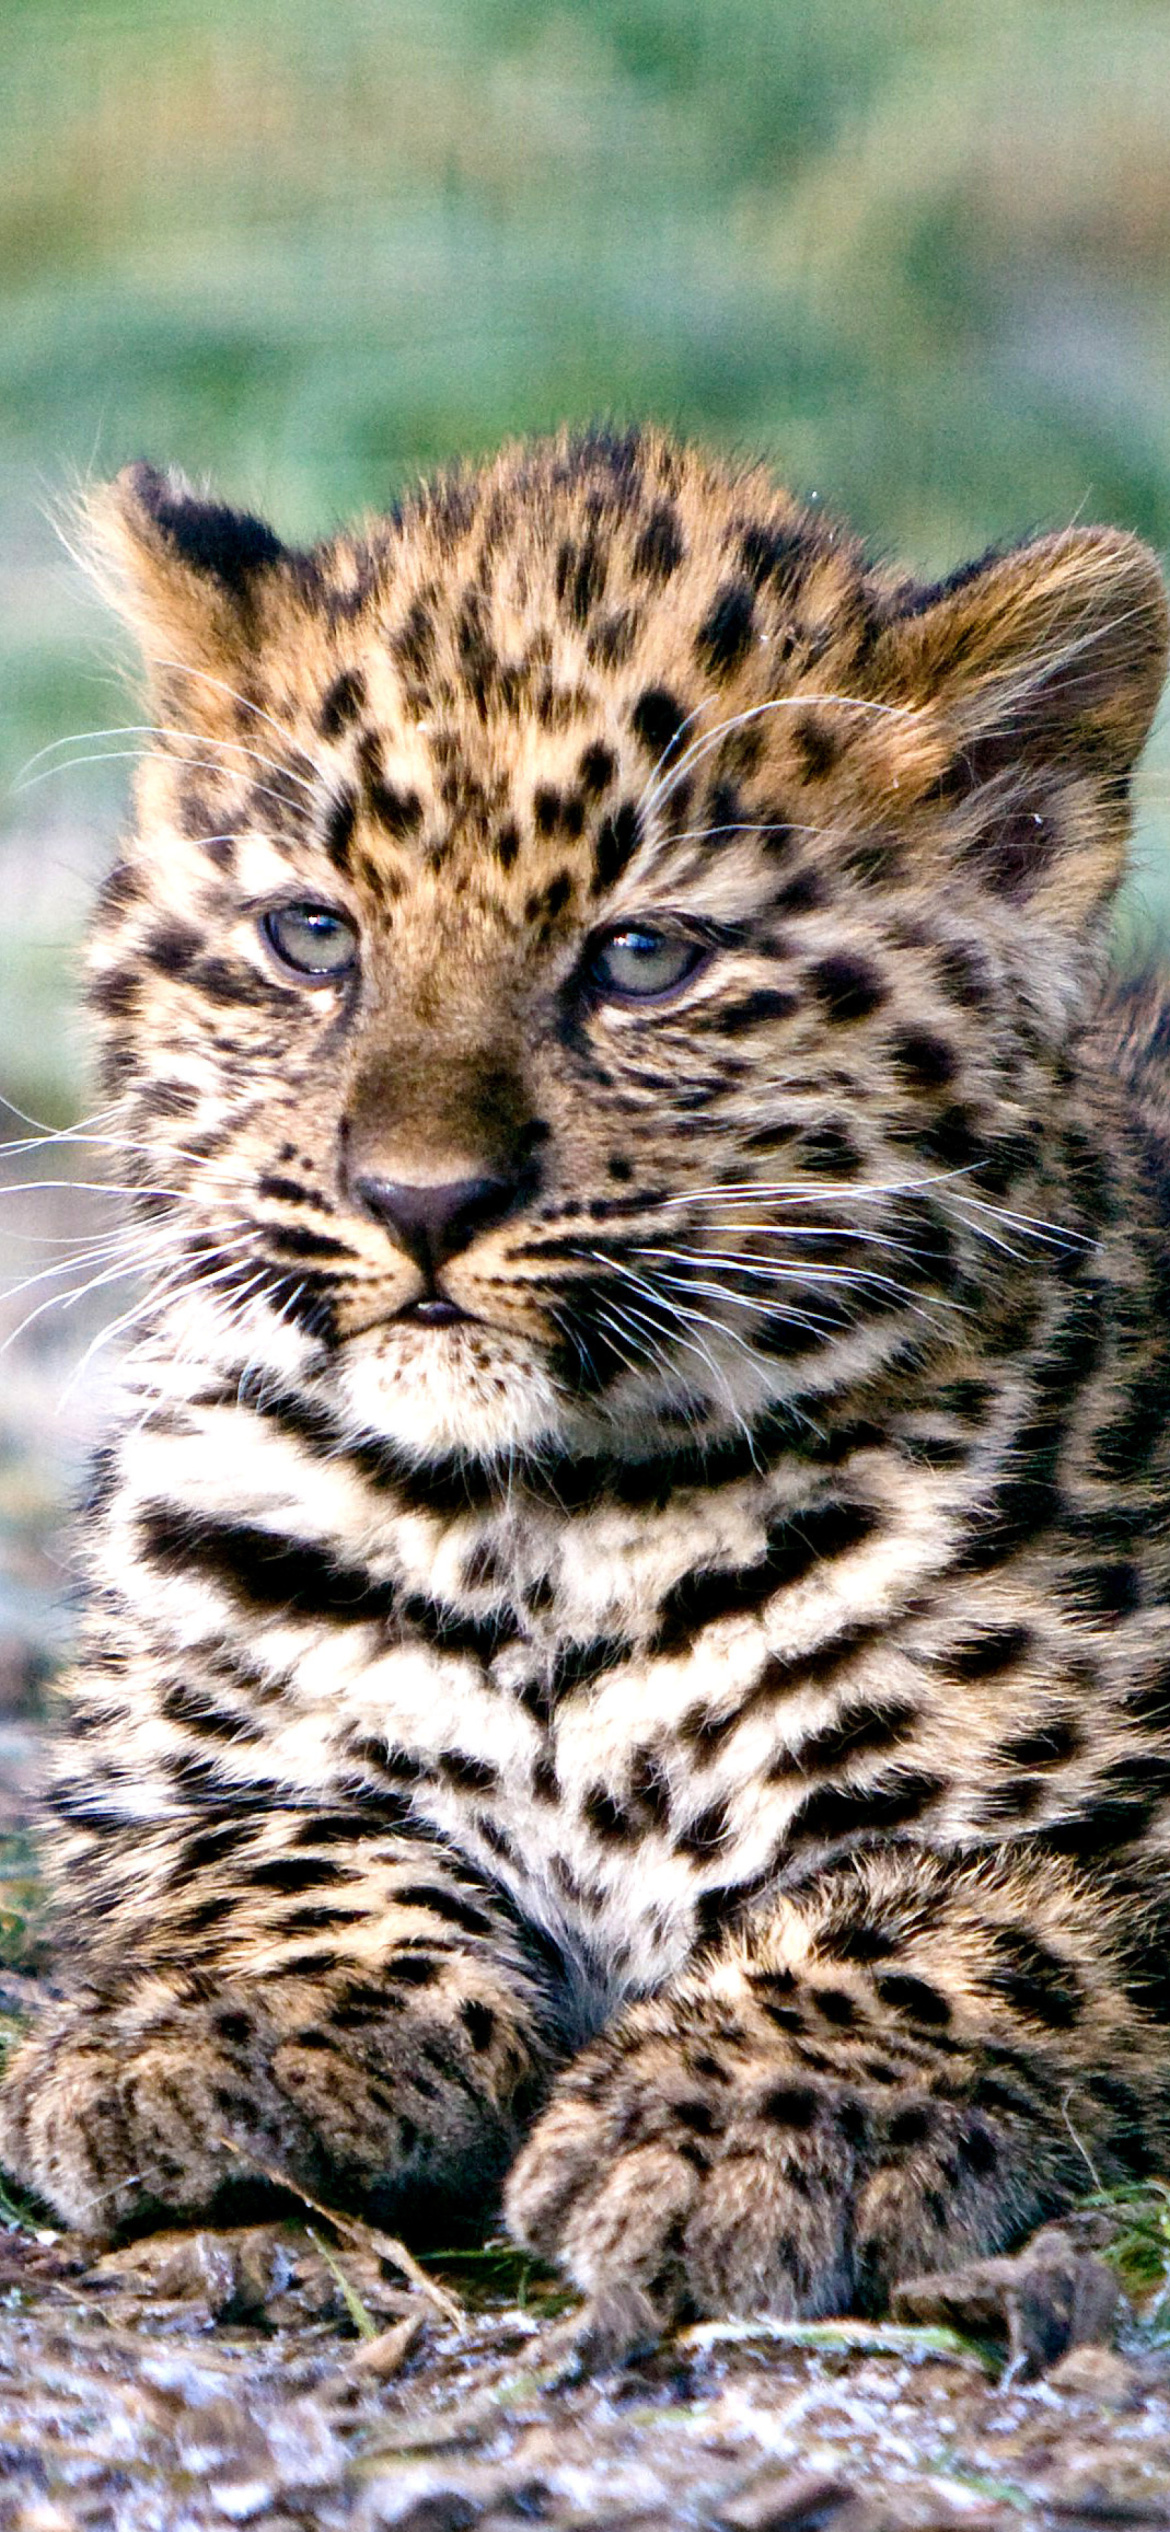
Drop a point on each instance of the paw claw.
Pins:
(610, 2329)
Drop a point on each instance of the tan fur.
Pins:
(716, 1686)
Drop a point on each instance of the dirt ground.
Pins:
(292, 2374)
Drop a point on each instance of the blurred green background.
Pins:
(915, 252)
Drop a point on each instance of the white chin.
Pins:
(432, 1390)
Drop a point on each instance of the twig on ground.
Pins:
(385, 2245)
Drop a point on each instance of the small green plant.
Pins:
(22, 1905)
(1139, 2249)
(495, 2275)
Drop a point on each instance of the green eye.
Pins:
(640, 964)
(312, 940)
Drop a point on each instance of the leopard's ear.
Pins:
(1033, 677)
(187, 573)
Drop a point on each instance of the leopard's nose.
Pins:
(433, 1222)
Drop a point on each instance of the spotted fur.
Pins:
(630, 1603)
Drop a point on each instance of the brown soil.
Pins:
(274, 2377)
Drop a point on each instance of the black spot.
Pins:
(344, 699)
(1046, 1745)
(618, 838)
(399, 812)
(288, 1191)
(706, 1834)
(576, 1665)
(776, 554)
(1112, 1590)
(122, 886)
(339, 825)
(726, 631)
(506, 845)
(546, 1784)
(1015, 852)
(842, 1811)
(412, 1969)
(295, 1239)
(1150, 1704)
(1100, 1828)
(611, 642)
(970, 1399)
(697, 2116)
(660, 547)
(236, 2028)
(296, 1873)
(923, 1060)
(413, 645)
(470, 1775)
(737, 1019)
(650, 1787)
(446, 1904)
(790, 2106)
(858, 1732)
(853, 1942)
(557, 895)
(453, 1631)
(657, 720)
(172, 948)
(976, 2150)
(773, 1137)
(580, 576)
(915, 1998)
(264, 1568)
(609, 1819)
(787, 1335)
(836, 2005)
(819, 744)
(1033, 1980)
(791, 1551)
(953, 1139)
(803, 892)
(986, 1655)
(197, 1712)
(478, 2021)
(911, 2125)
(848, 985)
(596, 770)
(964, 977)
(828, 1151)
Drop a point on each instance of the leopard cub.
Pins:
(628, 1646)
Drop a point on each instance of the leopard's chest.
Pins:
(605, 1714)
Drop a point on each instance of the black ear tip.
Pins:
(226, 545)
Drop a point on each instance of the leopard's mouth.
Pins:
(435, 1310)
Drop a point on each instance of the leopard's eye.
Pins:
(312, 940)
(641, 964)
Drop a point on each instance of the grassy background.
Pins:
(915, 252)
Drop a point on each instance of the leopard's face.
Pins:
(581, 976)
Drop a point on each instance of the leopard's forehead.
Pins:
(524, 677)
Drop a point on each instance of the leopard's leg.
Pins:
(912, 2062)
(298, 1994)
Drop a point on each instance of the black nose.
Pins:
(433, 1223)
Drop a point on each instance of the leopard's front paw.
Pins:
(668, 2166)
(110, 2116)
(690, 2162)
